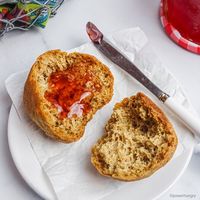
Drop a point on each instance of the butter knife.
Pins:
(116, 56)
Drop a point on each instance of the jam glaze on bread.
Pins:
(64, 90)
(138, 140)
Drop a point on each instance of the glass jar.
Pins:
(184, 16)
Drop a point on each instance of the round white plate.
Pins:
(150, 188)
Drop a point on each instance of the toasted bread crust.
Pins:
(99, 158)
(42, 112)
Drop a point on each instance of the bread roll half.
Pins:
(64, 90)
(138, 140)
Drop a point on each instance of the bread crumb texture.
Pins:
(46, 114)
(138, 140)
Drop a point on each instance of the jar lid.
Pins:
(175, 35)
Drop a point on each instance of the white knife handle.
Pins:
(191, 121)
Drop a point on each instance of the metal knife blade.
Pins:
(116, 57)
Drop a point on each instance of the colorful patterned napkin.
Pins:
(23, 14)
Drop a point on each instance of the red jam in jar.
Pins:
(184, 15)
(68, 92)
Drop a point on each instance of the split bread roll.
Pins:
(64, 90)
(138, 140)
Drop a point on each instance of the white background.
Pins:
(67, 30)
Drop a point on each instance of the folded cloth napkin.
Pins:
(68, 165)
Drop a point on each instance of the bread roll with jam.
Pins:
(64, 90)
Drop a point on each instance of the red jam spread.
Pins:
(67, 91)
(184, 15)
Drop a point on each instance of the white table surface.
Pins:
(67, 30)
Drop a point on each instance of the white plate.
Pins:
(151, 188)
(146, 189)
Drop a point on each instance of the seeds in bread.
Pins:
(64, 90)
(138, 140)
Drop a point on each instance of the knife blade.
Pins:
(116, 56)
